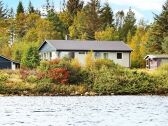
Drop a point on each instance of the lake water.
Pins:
(84, 111)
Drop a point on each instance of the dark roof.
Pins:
(9, 59)
(157, 56)
(86, 45)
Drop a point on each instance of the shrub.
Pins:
(59, 75)
(3, 77)
(105, 62)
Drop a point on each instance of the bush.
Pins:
(105, 62)
(59, 75)
(124, 82)
(3, 77)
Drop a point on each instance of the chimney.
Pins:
(67, 37)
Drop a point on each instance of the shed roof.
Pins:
(157, 56)
(85, 45)
(9, 59)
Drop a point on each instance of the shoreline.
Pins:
(75, 95)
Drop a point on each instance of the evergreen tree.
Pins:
(92, 10)
(57, 23)
(129, 25)
(31, 58)
(3, 11)
(159, 32)
(119, 19)
(107, 16)
(73, 6)
(20, 8)
(31, 8)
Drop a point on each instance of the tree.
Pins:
(31, 58)
(57, 23)
(78, 30)
(138, 43)
(73, 6)
(31, 8)
(110, 34)
(129, 25)
(165, 45)
(92, 11)
(3, 11)
(20, 8)
(159, 31)
(106, 16)
(119, 19)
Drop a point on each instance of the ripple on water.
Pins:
(89, 111)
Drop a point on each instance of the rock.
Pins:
(92, 94)
(86, 94)
(77, 93)
(112, 93)
(72, 94)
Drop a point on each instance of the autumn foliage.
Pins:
(59, 75)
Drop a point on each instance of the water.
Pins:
(84, 111)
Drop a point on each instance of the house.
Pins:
(117, 51)
(6, 63)
(154, 61)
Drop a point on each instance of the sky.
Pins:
(143, 9)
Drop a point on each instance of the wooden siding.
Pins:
(47, 48)
(5, 63)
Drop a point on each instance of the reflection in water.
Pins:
(84, 111)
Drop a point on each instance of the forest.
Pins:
(24, 29)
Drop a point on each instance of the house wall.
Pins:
(164, 61)
(4, 63)
(125, 61)
(13, 66)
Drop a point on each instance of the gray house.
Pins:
(6, 63)
(154, 61)
(117, 51)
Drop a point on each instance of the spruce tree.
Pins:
(73, 6)
(3, 11)
(129, 25)
(57, 23)
(159, 32)
(92, 11)
(106, 16)
(20, 8)
(31, 8)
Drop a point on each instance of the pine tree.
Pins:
(106, 16)
(159, 32)
(129, 25)
(20, 8)
(92, 10)
(3, 11)
(31, 8)
(119, 19)
(73, 6)
(57, 23)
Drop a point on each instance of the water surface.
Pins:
(84, 111)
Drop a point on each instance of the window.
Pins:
(58, 54)
(105, 55)
(50, 54)
(119, 55)
(97, 54)
(81, 52)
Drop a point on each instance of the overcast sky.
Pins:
(142, 8)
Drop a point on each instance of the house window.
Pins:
(119, 55)
(97, 54)
(81, 52)
(58, 54)
(105, 55)
(44, 55)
